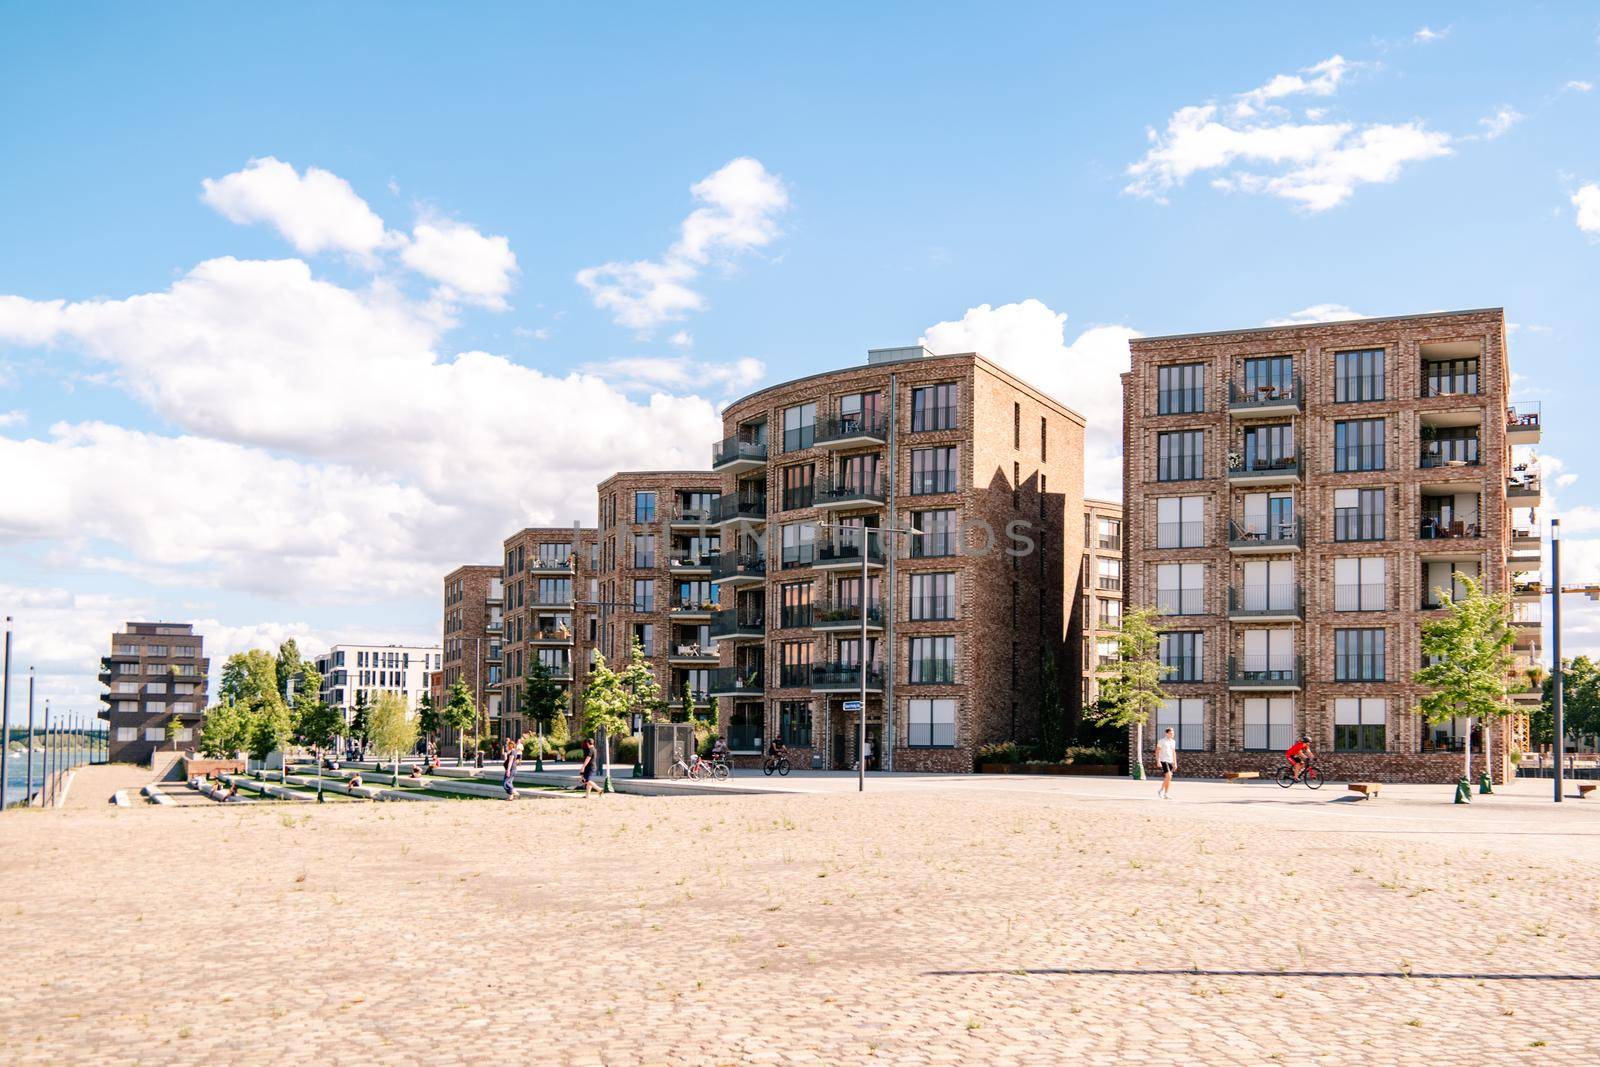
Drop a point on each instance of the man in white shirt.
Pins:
(1167, 758)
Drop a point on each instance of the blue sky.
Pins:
(250, 409)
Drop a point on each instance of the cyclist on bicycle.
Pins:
(719, 751)
(1300, 755)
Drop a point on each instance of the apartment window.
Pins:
(861, 474)
(1268, 723)
(1268, 376)
(185, 733)
(1182, 653)
(1359, 725)
(1358, 376)
(938, 533)
(1106, 652)
(1358, 655)
(1359, 584)
(794, 723)
(1109, 576)
(1358, 515)
(933, 596)
(1180, 456)
(1180, 521)
(933, 407)
(1016, 425)
(931, 723)
(182, 707)
(1269, 448)
(1450, 377)
(1186, 719)
(183, 651)
(799, 544)
(799, 486)
(644, 506)
(1110, 614)
(126, 687)
(1181, 389)
(799, 427)
(1267, 517)
(644, 635)
(794, 663)
(795, 598)
(555, 590)
(1269, 655)
(933, 660)
(860, 409)
(644, 550)
(1269, 585)
(1452, 515)
(644, 594)
(127, 733)
(693, 595)
(1180, 588)
(933, 470)
(745, 727)
(155, 733)
(1110, 531)
(1451, 445)
(1358, 445)
(129, 707)
(1443, 578)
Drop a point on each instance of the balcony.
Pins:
(844, 678)
(1265, 672)
(735, 455)
(693, 518)
(1434, 529)
(1525, 553)
(791, 557)
(834, 556)
(536, 600)
(1283, 398)
(692, 611)
(494, 626)
(1262, 470)
(835, 615)
(690, 563)
(733, 625)
(1266, 603)
(1526, 592)
(1523, 538)
(1258, 536)
(551, 566)
(1524, 489)
(555, 635)
(1523, 424)
(691, 654)
(742, 510)
(1433, 457)
(734, 570)
(736, 682)
(852, 431)
(850, 493)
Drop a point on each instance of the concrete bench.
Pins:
(1366, 789)
(1239, 776)
(1584, 789)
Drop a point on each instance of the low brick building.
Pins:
(156, 672)
(546, 574)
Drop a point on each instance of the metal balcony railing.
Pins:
(844, 676)
(737, 506)
(837, 613)
(736, 449)
(1288, 600)
(734, 623)
(1257, 465)
(845, 491)
(1265, 671)
(1434, 529)
(852, 428)
(1265, 533)
(1523, 416)
(1267, 395)
(736, 681)
(834, 552)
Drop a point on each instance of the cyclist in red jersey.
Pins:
(1299, 754)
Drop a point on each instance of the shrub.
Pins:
(1516, 756)
(1092, 754)
(999, 752)
(530, 747)
(625, 750)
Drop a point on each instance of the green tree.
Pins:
(428, 718)
(638, 680)
(392, 729)
(460, 711)
(1470, 649)
(225, 732)
(1580, 701)
(316, 725)
(358, 721)
(174, 724)
(248, 677)
(270, 730)
(544, 702)
(605, 705)
(1132, 691)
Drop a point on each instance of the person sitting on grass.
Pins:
(416, 771)
(354, 781)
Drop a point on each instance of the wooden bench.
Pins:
(1366, 789)
(1584, 789)
(1239, 776)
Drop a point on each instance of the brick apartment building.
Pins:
(356, 673)
(474, 623)
(1294, 497)
(655, 586)
(545, 576)
(1100, 604)
(958, 626)
(157, 671)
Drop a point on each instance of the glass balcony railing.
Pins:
(1267, 672)
(737, 450)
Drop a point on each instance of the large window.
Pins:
(1180, 521)
(1110, 533)
(938, 533)
(1269, 448)
(933, 407)
(1269, 655)
(1180, 456)
(644, 551)
(1358, 376)
(644, 506)
(1109, 575)
(931, 723)
(1451, 445)
(1269, 376)
(1358, 445)
(644, 594)
(794, 664)
(1181, 588)
(1359, 725)
(1358, 515)
(1182, 653)
(555, 590)
(1269, 585)
(1181, 389)
(799, 427)
(1442, 577)
(744, 727)
(933, 470)
(799, 484)
(933, 596)
(1360, 584)
(1186, 718)
(1358, 655)
(1450, 377)
(795, 599)
(1267, 517)
(1269, 724)
(794, 723)
(933, 660)
(799, 544)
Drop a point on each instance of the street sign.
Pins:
(852, 705)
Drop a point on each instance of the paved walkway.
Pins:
(933, 921)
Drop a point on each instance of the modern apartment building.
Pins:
(1100, 604)
(157, 671)
(1295, 497)
(352, 673)
(548, 614)
(474, 623)
(959, 617)
(655, 586)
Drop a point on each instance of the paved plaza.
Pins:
(967, 920)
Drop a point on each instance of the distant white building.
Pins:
(349, 671)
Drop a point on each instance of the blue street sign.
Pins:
(852, 705)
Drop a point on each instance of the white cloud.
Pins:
(1254, 145)
(1316, 313)
(681, 339)
(1587, 201)
(680, 374)
(740, 206)
(1029, 339)
(316, 212)
(1428, 36)
(1498, 124)
(469, 266)
(1577, 86)
(12, 418)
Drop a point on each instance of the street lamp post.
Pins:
(27, 785)
(5, 719)
(1558, 743)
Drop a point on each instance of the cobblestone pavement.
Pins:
(1016, 924)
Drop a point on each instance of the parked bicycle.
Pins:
(697, 769)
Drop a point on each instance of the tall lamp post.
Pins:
(1558, 744)
(5, 720)
(27, 785)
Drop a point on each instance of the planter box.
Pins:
(996, 768)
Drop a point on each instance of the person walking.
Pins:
(513, 756)
(1167, 759)
(586, 770)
